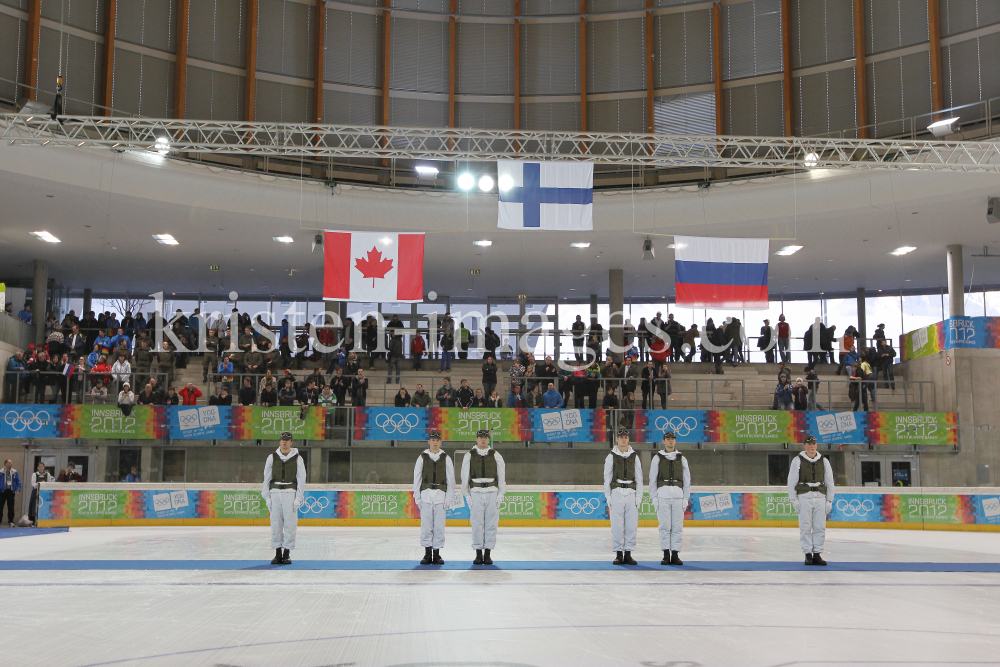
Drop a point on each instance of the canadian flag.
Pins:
(373, 267)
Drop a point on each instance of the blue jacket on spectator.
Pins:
(140, 322)
(784, 392)
(113, 324)
(92, 359)
(118, 337)
(552, 399)
(132, 479)
(15, 481)
(25, 316)
(515, 400)
(15, 368)
(104, 342)
(851, 358)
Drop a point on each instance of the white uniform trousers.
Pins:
(812, 522)
(484, 515)
(432, 517)
(670, 512)
(284, 519)
(624, 521)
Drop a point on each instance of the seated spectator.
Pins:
(171, 398)
(222, 399)
(225, 371)
(327, 398)
(494, 401)
(146, 396)
(94, 357)
(190, 394)
(552, 398)
(783, 393)
(268, 381)
(402, 399)
(515, 399)
(287, 395)
(157, 391)
(70, 474)
(247, 395)
(99, 393)
(800, 395)
(446, 394)
(309, 395)
(535, 398)
(133, 477)
(102, 370)
(268, 396)
(479, 401)
(126, 399)
(610, 401)
(420, 399)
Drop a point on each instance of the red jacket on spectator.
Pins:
(784, 331)
(189, 395)
(102, 371)
(417, 345)
(658, 349)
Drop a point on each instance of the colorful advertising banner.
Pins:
(391, 423)
(258, 423)
(912, 428)
(772, 426)
(144, 422)
(210, 422)
(459, 424)
(62, 505)
(841, 428)
(954, 332)
(564, 425)
(687, 425)
(30, 421)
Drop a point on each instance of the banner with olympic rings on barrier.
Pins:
(62, 505)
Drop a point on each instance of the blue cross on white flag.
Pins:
(546, 195)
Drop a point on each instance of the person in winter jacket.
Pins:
(800, 395)
(420, 399)
(783, 393)
(433, 489)
(623, 492)
(811, 492)
(283, 491)
(417, 349)
(189, 394)
(670, 491)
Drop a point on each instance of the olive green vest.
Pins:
(811, 472)
(435, 475)
(623, 467)
(287, 478)
(482, 467)
(670, 473)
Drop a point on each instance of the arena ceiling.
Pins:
(105, 207)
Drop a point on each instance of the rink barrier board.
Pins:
(459, 427)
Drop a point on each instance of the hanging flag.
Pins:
(546, 195)
(721, 273)
(373, 267)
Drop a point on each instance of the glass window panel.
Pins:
(884, 310)
(920, 311)
(974, 305)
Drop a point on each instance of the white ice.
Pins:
(394, 618)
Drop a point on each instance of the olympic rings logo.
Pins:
(681, 427)
(855, 507)
(27, 420)
(582, 505)
(396, 423)
(315, 505)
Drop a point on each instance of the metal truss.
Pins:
(411, 143)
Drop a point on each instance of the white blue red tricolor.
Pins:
(721, 273)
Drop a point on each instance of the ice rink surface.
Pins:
(272, 617)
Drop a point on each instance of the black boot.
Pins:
(675, 559)
(809, 559)
(818, 560)
(486, 557)
(479, 557)
(618, 558)
(277, 557)
(286, 558)
(428, 557)
(666, 557)
(437, 560)
(628, 559)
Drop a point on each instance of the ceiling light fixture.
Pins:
(942, 128)
(283, 239)
(45, 236)
(811, 159)
(162, 145)
(426, 172)
(902, 250)
(579, 245)
(484, 244)
(505, 183)
(486, 183)
(165, 239)
(466, 181)
(788, 250)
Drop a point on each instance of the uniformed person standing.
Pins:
(283, 491)
(810, 488)
(433, 488)
(623, 491)
(669, 491)
(484, 482)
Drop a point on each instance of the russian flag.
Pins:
(721, 273)
(68, 370)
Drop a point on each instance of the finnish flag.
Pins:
(546, 195)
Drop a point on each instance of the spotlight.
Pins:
(505, 183)
(426, 173)
(466, 181)
(485, 183)
(811, 159)
(162, 145)
(942, 128)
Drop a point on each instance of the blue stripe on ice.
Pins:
(570, 565)
(25, 532)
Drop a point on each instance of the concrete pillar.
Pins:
(956, 282)
(616, 300)
(862, 325)
(88, 301)
(593, 308)
(149, 467)
(315, 473)
(39, 298)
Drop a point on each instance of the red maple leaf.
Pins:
(373, 266)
